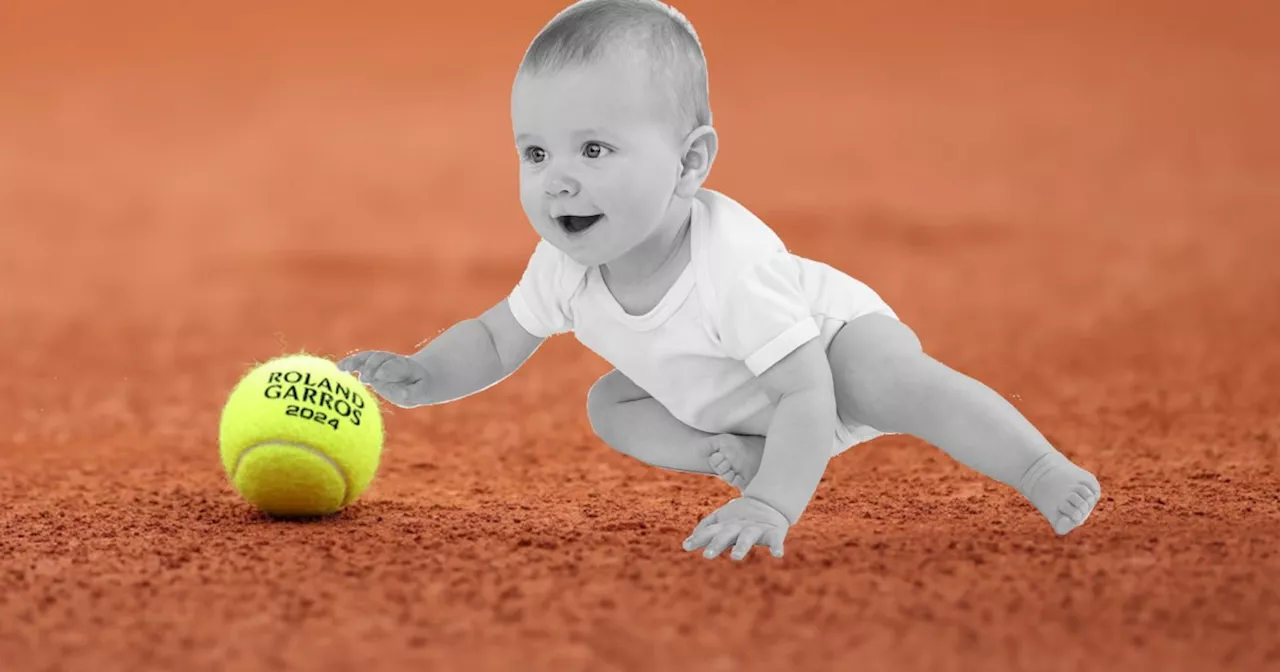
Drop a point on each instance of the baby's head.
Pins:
(612, 119)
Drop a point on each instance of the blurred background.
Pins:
(216, 133)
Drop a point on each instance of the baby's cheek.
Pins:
(527, 200)
(648, 196)
(532, 207)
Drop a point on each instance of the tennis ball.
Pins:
(300, 437)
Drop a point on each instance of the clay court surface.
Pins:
(1078, 206)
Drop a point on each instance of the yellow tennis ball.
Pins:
(300, 437)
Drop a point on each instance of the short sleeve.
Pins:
(763, 314)
(540, 301)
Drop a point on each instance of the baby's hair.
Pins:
(589, 30)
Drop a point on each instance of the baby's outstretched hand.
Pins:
(396, 378)
(744, 522)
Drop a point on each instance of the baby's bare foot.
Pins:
(736, 458)
(1064, 493)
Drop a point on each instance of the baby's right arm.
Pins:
(470, 356)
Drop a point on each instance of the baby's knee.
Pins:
(599, 399)
(877, 364)
(604, 398)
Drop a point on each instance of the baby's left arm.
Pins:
(797, 450)
(798, 442)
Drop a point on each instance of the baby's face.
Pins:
(598, 159)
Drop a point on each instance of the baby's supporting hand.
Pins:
(743, 522)
(396, 378)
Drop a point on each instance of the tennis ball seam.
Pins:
(346, 484)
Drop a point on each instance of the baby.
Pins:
(732, 356)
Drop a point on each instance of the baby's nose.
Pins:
(561, 184)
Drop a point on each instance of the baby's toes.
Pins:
(1077, 502)
(1093, 487)
(719, 463)
(1074, 508)
(729, 447)
(1089, 497)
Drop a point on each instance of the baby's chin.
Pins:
(585, 255)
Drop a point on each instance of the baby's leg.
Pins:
(884, 379)
(633, 423)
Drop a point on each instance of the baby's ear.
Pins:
(699, 153)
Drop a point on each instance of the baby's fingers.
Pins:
(367, 368)
(746, 541)
(352, 363)
(398, 370)
(404, 395)
(702, 534)
(392, 392)
(711, 519)
(723, 538)
(773, 539)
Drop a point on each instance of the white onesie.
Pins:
(742, 304)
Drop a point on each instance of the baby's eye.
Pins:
(598, 148)
(535, 154)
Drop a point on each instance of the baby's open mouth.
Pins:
(578, 223)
